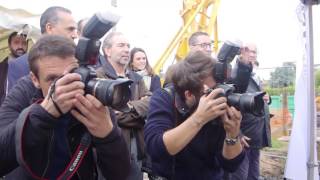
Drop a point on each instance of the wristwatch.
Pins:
(231, 141)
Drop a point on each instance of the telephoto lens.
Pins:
(246, 102)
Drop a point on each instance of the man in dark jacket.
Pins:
(116, 52)
(18, 45)
(55, 20)
(255, 128)
(65, 135)
(191, 132)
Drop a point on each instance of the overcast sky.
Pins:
(151, 24)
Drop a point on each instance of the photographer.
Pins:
(191, 132)
(255, 128)
(52, 143)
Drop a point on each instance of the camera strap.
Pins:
(77, 157)
(51, 93)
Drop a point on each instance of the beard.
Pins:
(18, 52)
(124, 61)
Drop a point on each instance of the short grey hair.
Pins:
(50, 15)
(107, 42)
(194, 37)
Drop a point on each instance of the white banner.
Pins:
(299, 151)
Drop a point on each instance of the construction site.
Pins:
(198, 15)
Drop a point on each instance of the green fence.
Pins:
(277, 103)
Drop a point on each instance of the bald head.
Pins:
(251, 51)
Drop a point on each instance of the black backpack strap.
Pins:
(20, 122)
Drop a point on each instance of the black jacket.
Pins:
(255, 127)
(28, 137)
(3, 78)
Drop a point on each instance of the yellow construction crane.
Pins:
(198, 15)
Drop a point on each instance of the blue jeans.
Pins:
(249, 168)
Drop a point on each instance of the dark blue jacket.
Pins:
(200, 159)
(17, 69)
(29, 137)
(155, 83)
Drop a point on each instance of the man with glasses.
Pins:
(200, 41)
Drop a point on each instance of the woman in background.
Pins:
(139, 63)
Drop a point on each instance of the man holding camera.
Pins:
(54, 20)
(255, 128)
(67, 134)
(116, 54)
(191, 132)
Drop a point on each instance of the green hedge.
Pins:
(290, 91)
(279, 91)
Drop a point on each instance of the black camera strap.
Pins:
(51, 93)
(77, 157)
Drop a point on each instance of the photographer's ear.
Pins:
(188, 94)
(49, 28)
(190, 99)
(35, 80)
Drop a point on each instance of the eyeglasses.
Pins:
(204, 45)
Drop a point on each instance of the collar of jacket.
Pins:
(179, 104)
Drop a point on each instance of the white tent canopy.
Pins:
(17, 20)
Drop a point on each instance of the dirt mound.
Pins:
(272, 164)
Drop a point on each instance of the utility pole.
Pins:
(312, 164)
(284, 111)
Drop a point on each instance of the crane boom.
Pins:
(198, 15)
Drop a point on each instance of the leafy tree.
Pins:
(283, 76)
(317, 78)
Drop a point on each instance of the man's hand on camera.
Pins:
(244, 141)
(64, 94)
(231, 122)
(266, 98)
(93, 115)
(244, 56)
(210, 107)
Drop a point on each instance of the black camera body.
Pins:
(110, 92)
(244, 102)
